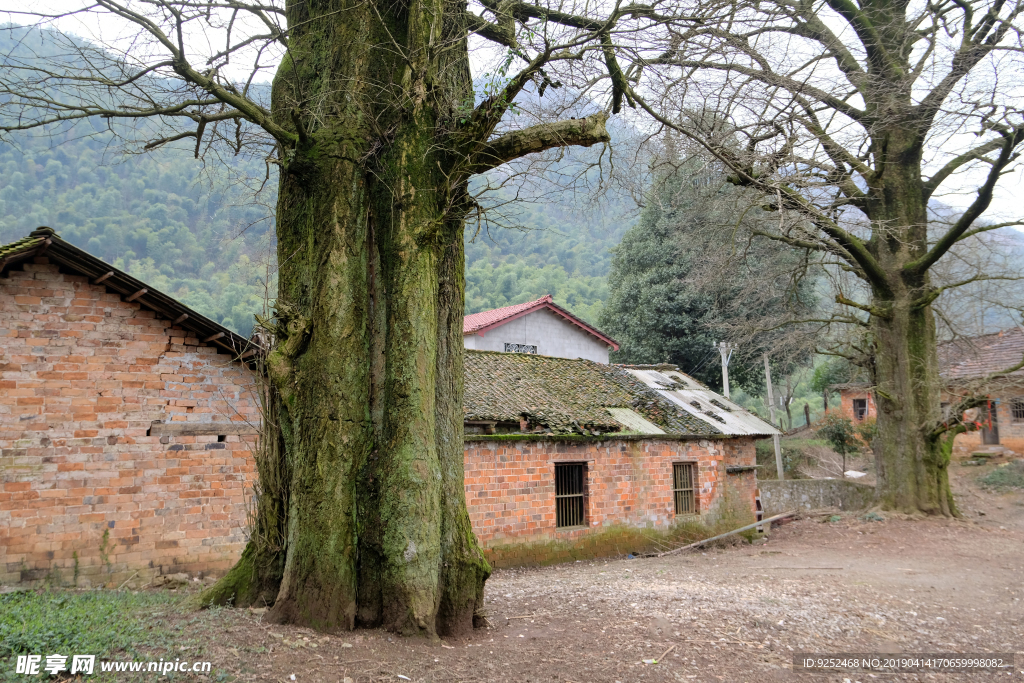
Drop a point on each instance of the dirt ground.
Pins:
(739, 613)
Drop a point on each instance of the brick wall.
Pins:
(846, 397)
(1011, 431)
(510, 485)
(82, 376)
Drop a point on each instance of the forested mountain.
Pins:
(562, 251)
(151, 215)
(187, 226)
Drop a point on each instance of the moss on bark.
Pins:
(367, 365)
(910, 465)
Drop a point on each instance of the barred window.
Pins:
(520, 348)
(684, 476)
(569, 492)
(1017, 409)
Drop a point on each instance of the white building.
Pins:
(538, 327)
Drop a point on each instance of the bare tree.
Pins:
(374, 127)
(854, 115)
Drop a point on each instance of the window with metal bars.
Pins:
(570, 505)
(1017, 409)
(684, 478)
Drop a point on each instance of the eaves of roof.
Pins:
(481, 323)
(850, 386)
(45, 242)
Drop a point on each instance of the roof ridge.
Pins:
(482, 321)
(100, 273)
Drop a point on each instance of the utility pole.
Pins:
(771, 410)
(726, 349)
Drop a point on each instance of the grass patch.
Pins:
(792, 457)
(1008, 476)
(108, 624)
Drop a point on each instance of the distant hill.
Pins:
(563, 250)
(189, 229)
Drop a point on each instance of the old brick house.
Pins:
(856, 400)
(569, 457)
(127, 424)
(979, 366)
(968, 366)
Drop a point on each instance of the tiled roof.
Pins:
(564, 395)
(976, 358)
(478, 323)
(46, 242)
(8, 252)
(696, 399)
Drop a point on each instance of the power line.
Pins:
(704, 360)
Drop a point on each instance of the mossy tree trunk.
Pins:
(910, 462)
(845, 154)
(367, 363)
(365, 227)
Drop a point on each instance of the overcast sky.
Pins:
(958, 192)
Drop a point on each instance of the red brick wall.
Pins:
(510, 486)
(1011, 432)
(846, 397)
(82, 376)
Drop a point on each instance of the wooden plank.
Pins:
(214, 337)
(102, 278)
(728, 533)
(180, 319)
(202, 429)
(137, 294)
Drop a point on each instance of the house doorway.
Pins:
(989, 424)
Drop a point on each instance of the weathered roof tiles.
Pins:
(979, 357)
(570, 396)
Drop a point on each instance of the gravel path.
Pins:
(820, 584)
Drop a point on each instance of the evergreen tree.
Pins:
(680, 282)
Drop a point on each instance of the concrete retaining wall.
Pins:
(809, 494)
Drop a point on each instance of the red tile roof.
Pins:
(479, 323)
(978, 357)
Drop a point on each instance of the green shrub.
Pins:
(867, 430)
(839, 433)
(792, 458)
(1008, 476)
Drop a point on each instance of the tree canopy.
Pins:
(679, 283)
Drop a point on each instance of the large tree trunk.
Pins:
(367, 366)
(910, 462)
